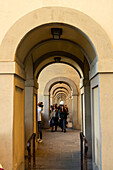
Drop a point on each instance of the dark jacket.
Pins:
(63, 114)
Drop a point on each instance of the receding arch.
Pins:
(60, 88)
(39, 66)
(61, 91)
(60, 79)
(61, 96)
(74, 97)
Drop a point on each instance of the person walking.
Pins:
(54, 118)
(63, 116)
(39, 110)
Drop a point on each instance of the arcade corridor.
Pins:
(52, 51)
(59, 151)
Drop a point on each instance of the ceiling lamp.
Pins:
(57, 59)
(56, 32)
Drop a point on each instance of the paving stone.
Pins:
(59, 151)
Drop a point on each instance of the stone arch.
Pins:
(58, 86)
(60, 79)
(68, 81)
(62, 95)
(40, 66)
(61, 90)
(69, 99)
(88, 27)
(96, 35)
(67, 59)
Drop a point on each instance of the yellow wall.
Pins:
(34, 113)
(100, 11)
(10, 12)
(106, 110)
(18, 124)
(6, 120)
(96, 127)
(18, 128)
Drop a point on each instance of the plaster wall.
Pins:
(83, 113)
(6, 120)
(79, 111)
(100, 11)
(11, 12)
(70, 109)
(19, 129)
(82, 110)
(29, 118)
(106, 109)
(96, 123)
(18, 125)
(74, 108)
(45, 112)
(35, 113)
(12, 122)
(96, 127)
(103, 109)
(86, 24)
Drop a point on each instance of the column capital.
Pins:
(31, 83)
(13, 67)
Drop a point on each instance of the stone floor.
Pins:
(59, 151)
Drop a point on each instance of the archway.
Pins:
(97, 47)
(62, 86)
(74, 94)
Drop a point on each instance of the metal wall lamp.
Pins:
(56, 32)
(57, 59)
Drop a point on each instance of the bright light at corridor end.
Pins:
(61, 102)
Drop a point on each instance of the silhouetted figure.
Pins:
(54, 118)
(63, 117)
(40, 108)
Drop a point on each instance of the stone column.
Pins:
(102, 120)
(87, 103)
(106, 122)
(79, 112)
(46, 111)
(51, 100)
(29, 109)
(35, 110)
(70, 108)
(6, 120)
(67, 101)
(11, 115)
(74, 111)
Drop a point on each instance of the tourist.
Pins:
(39, 110)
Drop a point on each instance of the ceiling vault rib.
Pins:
(60, 88)
(52, 40)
